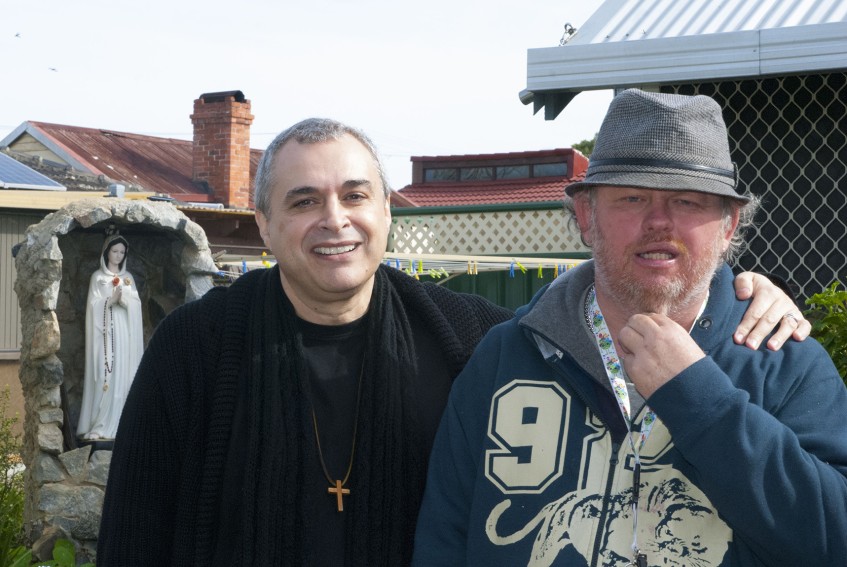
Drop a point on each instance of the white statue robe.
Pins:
(120, 344)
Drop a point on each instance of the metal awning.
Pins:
(642, 43)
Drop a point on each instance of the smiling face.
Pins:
(654, 251)
(327, 225)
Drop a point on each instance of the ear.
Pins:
(388, 213)
(582, 208)
(262, 222)
(729, 227)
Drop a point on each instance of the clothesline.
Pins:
(433, 265)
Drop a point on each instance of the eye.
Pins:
(687, 203)
(302, 203)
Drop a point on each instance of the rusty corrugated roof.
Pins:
(162, 165)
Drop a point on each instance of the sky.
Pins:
(426, 78)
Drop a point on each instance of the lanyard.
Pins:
(617, 379)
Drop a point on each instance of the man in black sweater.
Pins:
(288, 419)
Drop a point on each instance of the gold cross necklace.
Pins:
(336, 487)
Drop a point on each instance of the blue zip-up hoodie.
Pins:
(747, 464)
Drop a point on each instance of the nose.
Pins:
(658, 216)
(334, 216)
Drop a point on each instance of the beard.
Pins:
(673, 295)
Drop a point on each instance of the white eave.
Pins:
(649, 42)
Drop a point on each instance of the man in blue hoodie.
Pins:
(613, 421)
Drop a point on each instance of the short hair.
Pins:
(309, 131)
(746, 215)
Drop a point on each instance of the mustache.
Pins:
(676, 243)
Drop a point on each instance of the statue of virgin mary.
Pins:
(114, 342)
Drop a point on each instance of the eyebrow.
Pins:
(304, 190)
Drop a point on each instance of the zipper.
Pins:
(601, 523)
(613, 460)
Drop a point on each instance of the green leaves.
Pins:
(11, 487)
(20, 557)
(64, 555)
(12, 554)
(828, 314)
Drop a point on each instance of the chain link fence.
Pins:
(788, 136)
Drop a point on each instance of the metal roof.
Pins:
(628, 43)
(639, 20)
(15, 175)
(162, 165)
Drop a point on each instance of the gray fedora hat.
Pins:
(665, 142)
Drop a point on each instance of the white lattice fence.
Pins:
(500, 233)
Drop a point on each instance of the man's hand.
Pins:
(655, 349)
(769, 306)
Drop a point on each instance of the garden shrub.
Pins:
(828, 314)
(11, 485)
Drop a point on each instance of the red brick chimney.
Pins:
(221, 151)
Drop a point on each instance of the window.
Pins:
(492, 172)
(477, 173)
(549, 169)
(513, 172)
(441, 174)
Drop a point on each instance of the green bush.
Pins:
(64, 555)
(11, 485)
(828, 314)
(12, 552)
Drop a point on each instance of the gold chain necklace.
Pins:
(336, 487)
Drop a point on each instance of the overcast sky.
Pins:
(426, 78)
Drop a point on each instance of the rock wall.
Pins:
(170, 260)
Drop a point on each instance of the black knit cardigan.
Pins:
(152, 508)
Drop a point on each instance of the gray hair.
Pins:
(309, 131)
(746, 213)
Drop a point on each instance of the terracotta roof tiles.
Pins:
(505, 191)
(481, 193)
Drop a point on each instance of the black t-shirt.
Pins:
(334, 360)
(333, 356)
